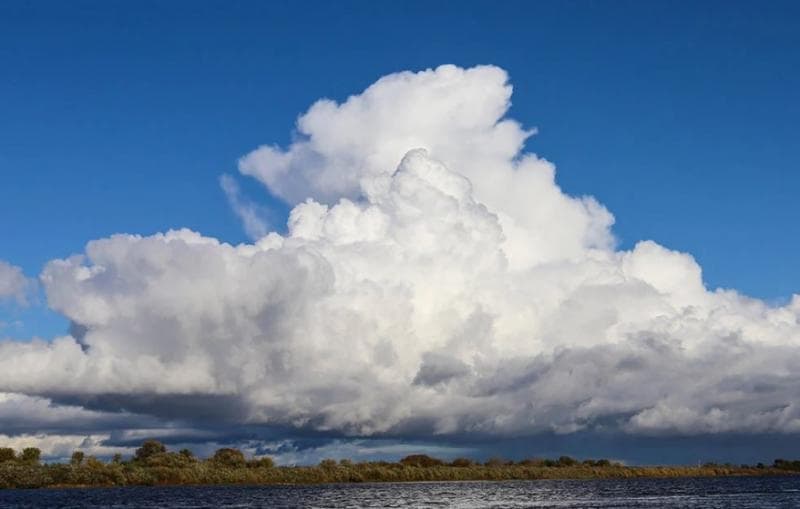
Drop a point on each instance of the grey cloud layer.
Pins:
(433, 280)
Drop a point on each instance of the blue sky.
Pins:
(679, 117)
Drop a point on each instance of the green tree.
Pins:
(76, 459)
(31, 455)
(421, 460)
(532, 462)
(149, 448)
(566, 461)
(94, 463)
(264, 462)
(495, 462)
(461, 462)
(229, 457)
(327, 464)
(7, 454)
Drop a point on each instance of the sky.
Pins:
(601, 261)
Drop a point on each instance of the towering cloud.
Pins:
(434, 280)
(351, 150)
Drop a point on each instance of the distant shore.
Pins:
(154, 466)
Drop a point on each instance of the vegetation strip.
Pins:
(154, 465)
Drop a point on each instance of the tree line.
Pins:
(153, 464)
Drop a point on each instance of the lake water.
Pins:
(751, 492)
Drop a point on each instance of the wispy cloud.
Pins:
(251, 214)
(13, 283)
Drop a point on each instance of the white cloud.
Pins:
(452, 290)
(251, 215)
(13, 283)
(457, 115)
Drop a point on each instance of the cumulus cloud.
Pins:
(434, 280)
(351, 150)
(13, 283)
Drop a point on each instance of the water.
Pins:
(711, 493)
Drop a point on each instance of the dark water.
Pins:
(752, 492)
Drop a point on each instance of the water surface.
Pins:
(711, 493)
